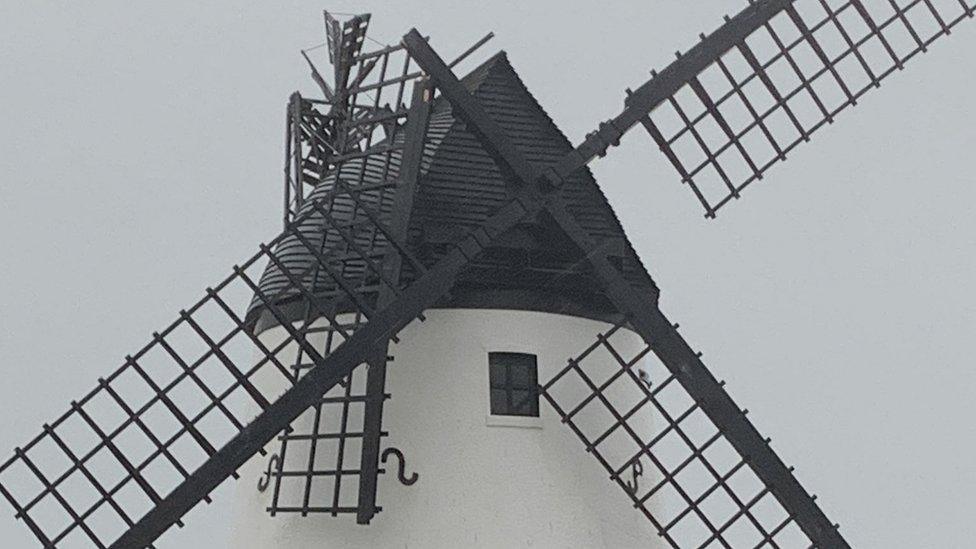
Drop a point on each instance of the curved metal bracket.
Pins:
(395, 452)
(636, 470)
(265, 481)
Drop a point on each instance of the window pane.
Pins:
(525, 403)
(496, 370)
(499, 402)
(523, 375)
(513, 384)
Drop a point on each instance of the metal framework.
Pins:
(180, 416)
(782, 80)
(322, 134)
(357, 133)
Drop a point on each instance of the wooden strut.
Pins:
(415, 138)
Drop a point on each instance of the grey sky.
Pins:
(141, 156)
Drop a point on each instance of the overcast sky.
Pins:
(141, 156)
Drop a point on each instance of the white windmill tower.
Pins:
(452, 307)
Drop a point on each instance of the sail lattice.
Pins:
(658, 445)
(728, 125)
(91, 474)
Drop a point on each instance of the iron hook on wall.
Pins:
(265, 480)
(401, 466)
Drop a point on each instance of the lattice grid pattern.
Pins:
(663, 451)
(317, 464)
(357, 143)
(726, 127)
(129, 442)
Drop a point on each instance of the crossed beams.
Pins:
(379, 300)
(642, 314)
(657, 444)
(383, 320)
(149, 434)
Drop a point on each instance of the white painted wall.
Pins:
(481, 484)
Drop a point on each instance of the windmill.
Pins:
(363, 255)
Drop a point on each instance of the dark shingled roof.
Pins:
(461, 186)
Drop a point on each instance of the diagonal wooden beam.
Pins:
(492, 137)
(326, 374)
(644, 315)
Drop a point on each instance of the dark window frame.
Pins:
(513, 384)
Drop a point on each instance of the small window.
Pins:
(514, 384)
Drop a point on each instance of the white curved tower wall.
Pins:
(484, 481)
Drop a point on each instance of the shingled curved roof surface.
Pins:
(534, 267)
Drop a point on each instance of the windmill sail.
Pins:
(681, 470)
(184, 412)
(748, 98)
(180, 416)
(700, 525)
(159, 422)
